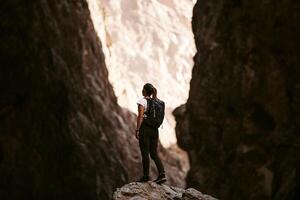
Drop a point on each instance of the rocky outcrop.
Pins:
(151, 190)
(241, 124)
(63, 135)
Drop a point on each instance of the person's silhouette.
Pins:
(148, 137)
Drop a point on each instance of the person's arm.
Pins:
(139, 120)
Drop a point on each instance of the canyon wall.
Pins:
(147, 41)
(62, 133)
(240, 125)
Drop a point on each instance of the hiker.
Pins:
(150, 109)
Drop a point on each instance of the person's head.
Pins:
(149, 90)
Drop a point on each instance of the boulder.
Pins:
(153, 191)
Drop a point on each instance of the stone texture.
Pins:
(63, 135)
(153, 191)
(240, 124)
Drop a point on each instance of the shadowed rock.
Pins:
(62, 133)
(240, 125)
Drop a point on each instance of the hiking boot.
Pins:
(143, 179)
(161, 178)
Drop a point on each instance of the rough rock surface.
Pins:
(241, 122)
(147, 41)
(63, 135)
(153, 191)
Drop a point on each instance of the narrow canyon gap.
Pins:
(147, 41)
(240, 125)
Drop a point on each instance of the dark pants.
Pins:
(148, 139)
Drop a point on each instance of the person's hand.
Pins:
(137, 134)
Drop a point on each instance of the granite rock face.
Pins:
(151, 190)
(63, 135)
(240, 125)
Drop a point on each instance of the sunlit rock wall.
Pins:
(241, 123)
(147, 41)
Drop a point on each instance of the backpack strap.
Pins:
(148, 106)
(147, 111)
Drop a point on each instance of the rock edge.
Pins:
(153, 191)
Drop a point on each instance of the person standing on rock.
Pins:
(150, 117)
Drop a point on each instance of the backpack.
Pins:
(155, 112)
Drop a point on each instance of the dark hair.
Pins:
(150, 90)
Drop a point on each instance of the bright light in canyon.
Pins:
(147, 41)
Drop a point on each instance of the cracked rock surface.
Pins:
(153, 191)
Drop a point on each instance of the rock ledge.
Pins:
(153, 191)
